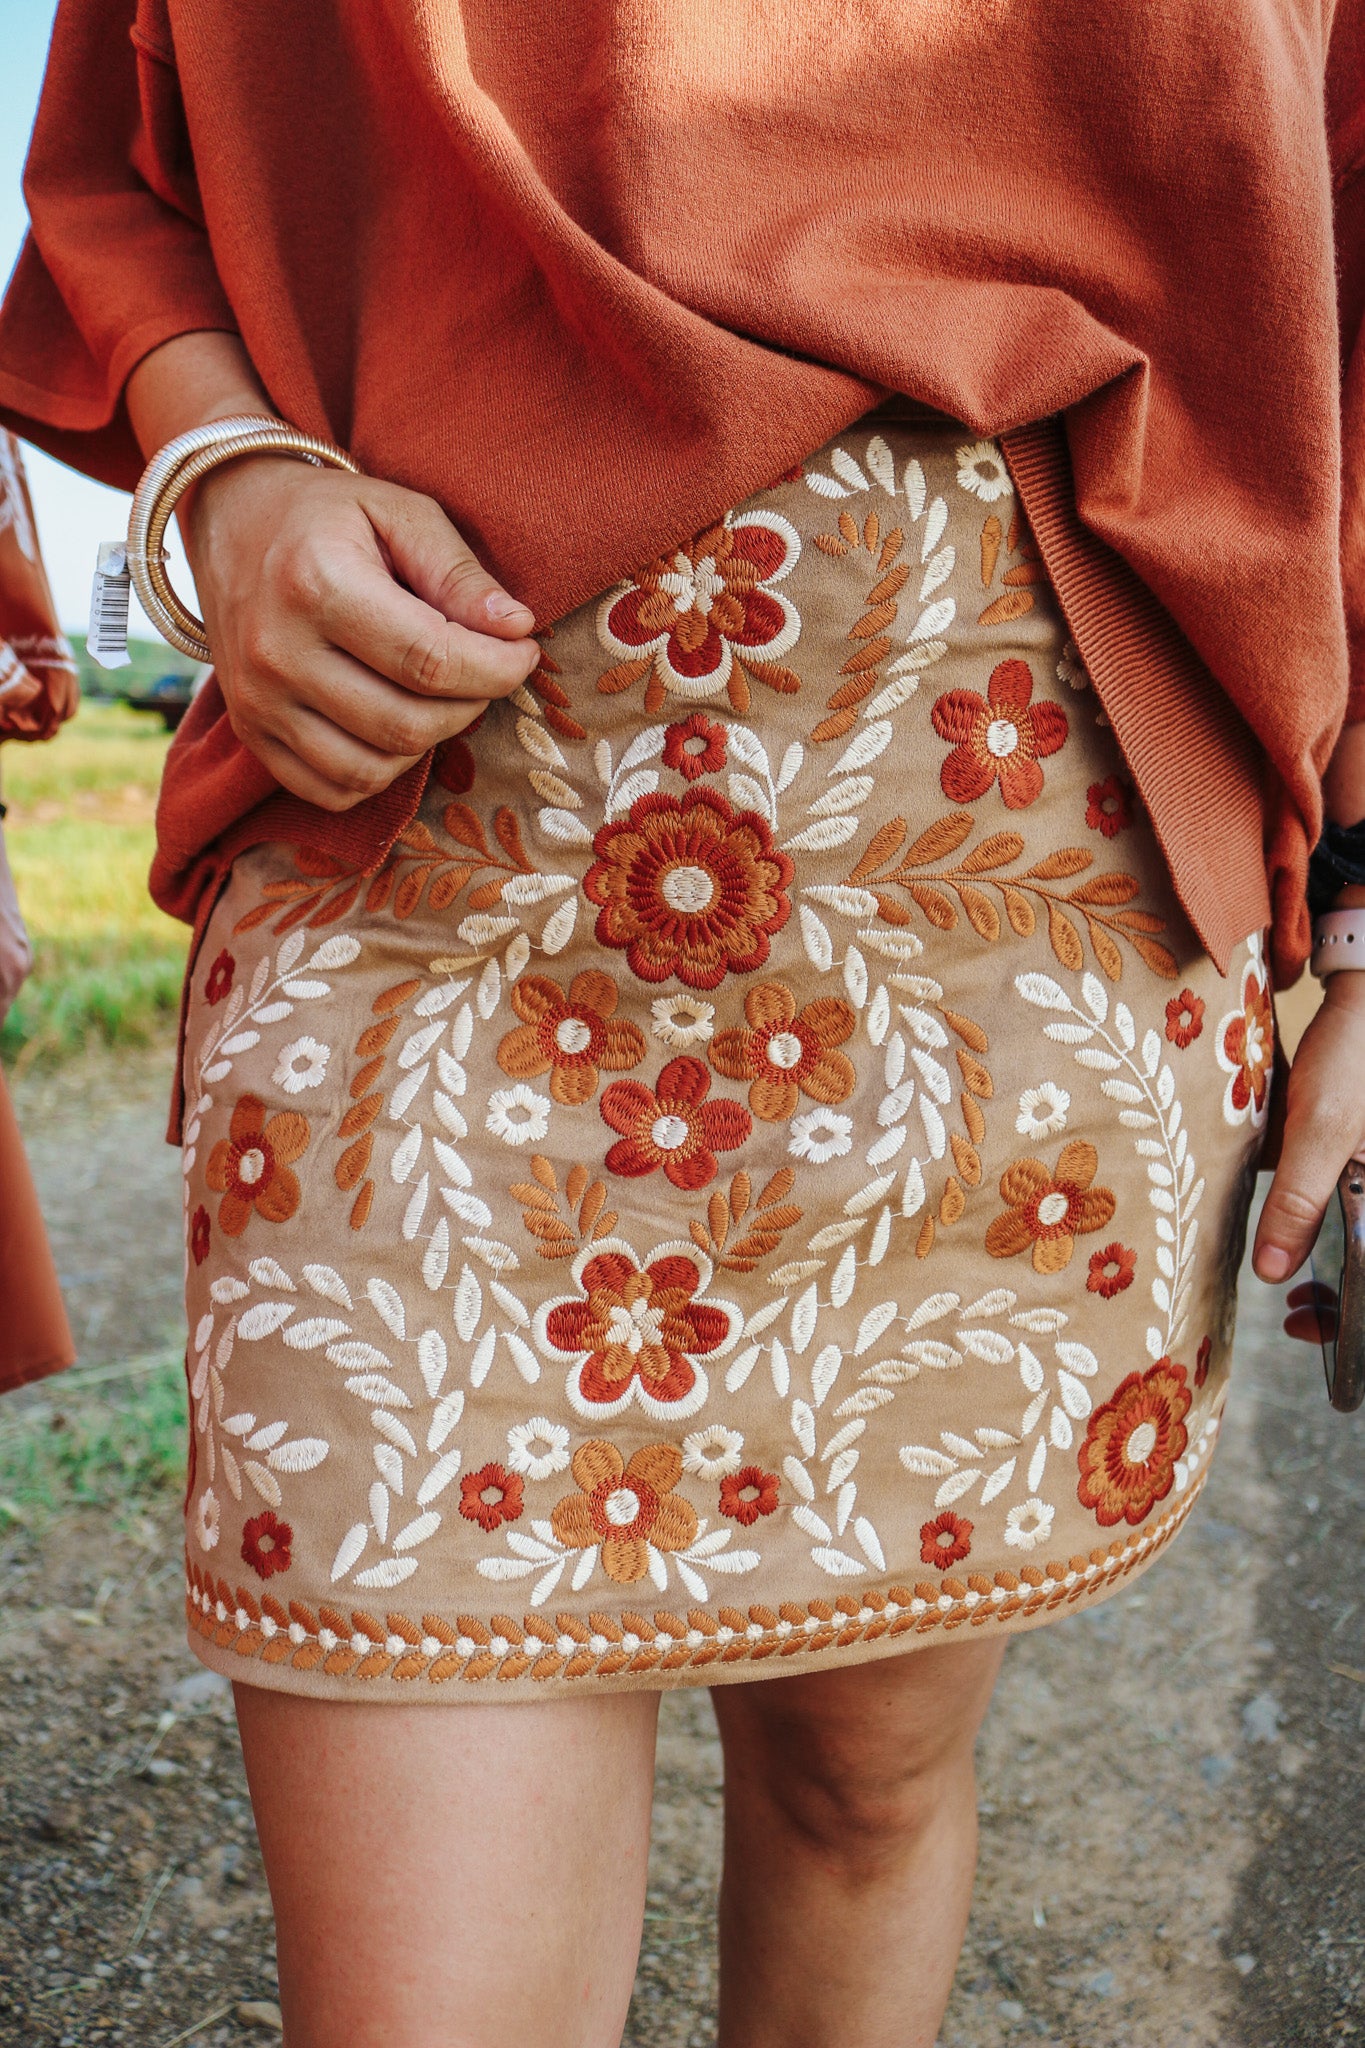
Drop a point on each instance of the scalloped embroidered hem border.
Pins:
(359, 1646)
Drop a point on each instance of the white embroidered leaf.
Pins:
(352, 1546)
(779, 1368)
(444, 1418)
(914, 487)
(879, 460)
(313, 1332)
(374, 1387)
(791, 765)
(822, 835)
(489, 991)
(1155, 1347)
(954, 1488)
(390, 1466)
(934, 619)
(264, 1482)
(804, 1317)
(1075, 1396)
(799, 1477)
(1030, 1369)
(1125, 1027)
(748, 795)
(1036, 1466)
(855, 977)
(887, 1146)
(841, 1285)
(843, 465)
(263, 1319)
(1059, 1429)
(836, 1233)
(794, 1272)
(406, 1155)
(747, 747)
(839, 1471)
(924, 1463)
(437, 1001)
(933, 528)
(523, 1357)
(1039, 1322)
(873, 1325)
(397, 1432)
(739, 1369)
(1042, 991)
(468, 1304)
(224, 1290)
(761, 1317)
(338, 951)
(301, 1454)
(643, 782)
(1121, 1091)
(432, 1360)
(416, 1209)
(543, 1587)
(558, 929)
(562, 826)
(894, 945)
(998, 1481)
(819, 946)
(1151, 1054)
(845, 796)
(355, 1356)
(436, 1257)
(439, 1478)
(824, 1372)
(525, 889)
(838, 1563)
(504, 1568)
(270, 1273)
(388, 1306)
(417, 1532)
(988, 1345)
(646, 746)
(538, 743)
(868, 746)
(451, 1164)
(390, 1571)
(803, 1426)
(493, 1252)
(1031, 1414)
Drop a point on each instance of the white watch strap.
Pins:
(1338, 942)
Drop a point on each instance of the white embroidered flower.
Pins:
(1042, 1110)
(1029, 1524)
(712, 1452)
(518, 1115)
(821, 1135)
(301, 1064)
(682, 1020)
(1071, 669)
(206, 1519)
(981, 470)
(538, 1448)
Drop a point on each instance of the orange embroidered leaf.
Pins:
(992, 534)
(509, 837)
(462, 825)
(1106, 889)
(1065, 939)
(361, 1206)
(1020, 913)
(606, 1224)
(952, 1201)
(924, 1244)
(864, 658)
(890, 910)
(1025, 572)
(935, 905)
(982, 914)
(1106, 949)
(380, 890)
(409, 893)
(975, 1075)
(774, 675)
(1012, 605)
(972, 1117)
(885, 841)
(829, 545)
(563, 1250)
(375, 1037)
(780, 1184)
(290, 892)
(874, 621)
(338, 906)
(1012, 540)
(487, 893)
(360, 1116)
(1068, 860)
(848, 527)
(419, 839)
(625, 673)
(966, 1159)
(544, 1172)
(698, 1236)
(970, 1033)
(889, 586)
(447, 887)
(546, 1226)
(574, 1184)
(834, 727)
(996, 852)
(531, 1196)
(718, 1218)
(310, 860)
(891, 547)
(592, 1206)
(872, 532)
(736, 689)
(779, 1218)
(560, 722)
(253, 918)
(353, 1162)
(741, 1190)
(941, 838)
(1154, 956)
(1140, 921)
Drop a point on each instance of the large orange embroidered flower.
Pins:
(695, 620)
(1128, 1459)
(1000, 737)
(627, 1509)
(788, 1052)
(250, 1168)
(1246, 1047)
(689, 887)
(638, 1333)
(672, 1125)
(1049, 1211)
(569, 1036)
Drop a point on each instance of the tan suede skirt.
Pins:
(756, 1180)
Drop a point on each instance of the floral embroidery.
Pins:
(1128, 1459)
(788, 1052)
(1111, 1271)
(981, 470)
(490, 1497)
(672, 1125)
(712, 1452)
(695, 747)
(518, 1115)
(1000, 737)
(820, 1136)
(1048, 1211)
(208, 1519)
(539, 1448)
(266, 1545)
(201, 1234)
(1184, 1018)
(1246, 1048)
(682, 1020)
(691, 888)
(945, 1541)
(638, 1332)
(569, 1036)
(1201, 1360)
(302, 1064)
(1109, 805)
(749, 1493)
(218, 981)
(1029, 1524)
(251, 1167)
(625, 1508)
(1042, 1111)
(707, 617)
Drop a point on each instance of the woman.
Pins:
(730, 871)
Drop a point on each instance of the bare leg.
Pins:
(850, 1848)
(453, 1877)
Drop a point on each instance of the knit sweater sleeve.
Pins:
(117, 259)
(1346, 127)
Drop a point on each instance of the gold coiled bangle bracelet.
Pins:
(165, 480)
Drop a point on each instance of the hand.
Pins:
(16, 954)
(352, 629)
(1324, 1128)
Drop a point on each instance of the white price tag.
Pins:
(107, 640)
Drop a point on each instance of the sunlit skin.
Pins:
(444, 1879)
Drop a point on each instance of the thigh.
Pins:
(448, 1876)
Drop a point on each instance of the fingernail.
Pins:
(1273, 1263)
(501, 606)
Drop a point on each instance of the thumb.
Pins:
(429, 555)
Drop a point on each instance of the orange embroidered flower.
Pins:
(695, 747)
(569, 1036)
(266, 1545)
(638, 1332)
(1128, 1459)
(999, 737)
(250, 1168)
(1111, 1271)
(1201, 1360)
(201, 1231)
(786, 1052)
(689, 887)
(1049, 1211)
(945, 1541)
(672, 1125)
(1184, 1018)
(490, 1496)
(1109, 805)
(749, 1493)
(627, 1509)
(218, 980)
(691, 619)
(1246, 1049)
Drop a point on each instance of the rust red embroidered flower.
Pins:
(1049, 1211)
(689, 887)
(1246, 1049)
(788, 1052)
(626, 1509)
(695, 747)
(1109, 805)
(1184, 1018)
(1128, 1459)
(251, 1167)
(490, 1497)
(749, 1493)
(201, 1233)
(569, 1036)
(945, 1541)
(672, 1125)
(638, 1332)
(1111, 1271)
(1201, 1360)
(266, 1545)
(706, 618)
(1000, 737)
(218, 981)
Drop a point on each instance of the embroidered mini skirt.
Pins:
(756, 1180)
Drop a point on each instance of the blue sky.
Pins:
(74, 515)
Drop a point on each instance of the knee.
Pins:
(861, 1804)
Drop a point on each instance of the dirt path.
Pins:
(1173, 1785)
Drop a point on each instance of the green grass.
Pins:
(108, 964)
(109, 1436)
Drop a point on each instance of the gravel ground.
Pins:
(1172, 1785)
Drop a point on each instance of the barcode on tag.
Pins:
(107, 640)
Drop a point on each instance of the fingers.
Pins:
(324, 764)
(411, 642)
(376, 712)
(433, 560)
